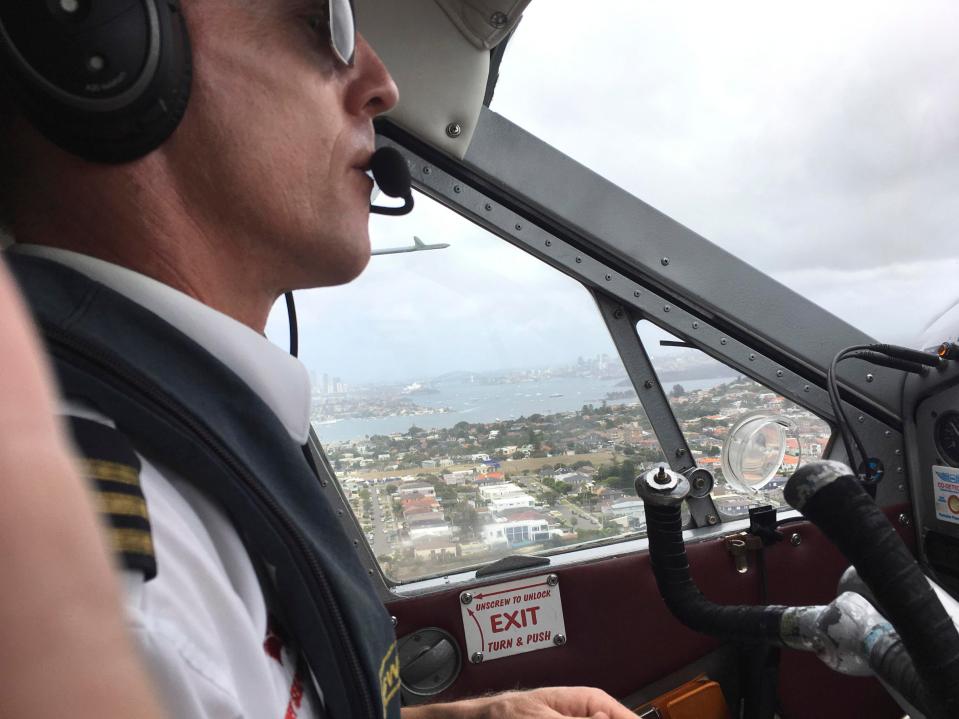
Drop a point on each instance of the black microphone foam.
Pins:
(391, 172)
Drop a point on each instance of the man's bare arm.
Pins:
(547, 703)
(64, 650)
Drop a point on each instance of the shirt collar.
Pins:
(278, 378)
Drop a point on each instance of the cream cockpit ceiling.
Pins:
(438, 51)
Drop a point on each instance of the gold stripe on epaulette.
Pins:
(110, 471)
(126, 505)
(135, 541)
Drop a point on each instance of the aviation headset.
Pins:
(107, 80)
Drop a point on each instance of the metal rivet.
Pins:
(549, 243)
(665, 308)
(695, 325)
(664, 261)
(457, 189)
(618, 313)
(904, 520)
(712, 519)
(70, 6)
(454, 129)
(648, 384)
(680, 452)
(636, 293)
(722, 340)
(898, 452)
(887, 434)
(395, 621)
(488, 207)
(339, 513)
(609, 277)
(806, 388)
(795, 539)
(356, 542)
(578, 260)
(426, 170)
(95, 63)
(870, 377)
(552, 580)
(779, 373)
(323, 483)
(559, 640)
(466, 597)
(901, 487)
(518, 226)
(752, 357)
(899, 470)
(370, 572)
(476, 657)
(498, 20)
(860, 419)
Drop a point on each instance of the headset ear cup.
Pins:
(109, 130)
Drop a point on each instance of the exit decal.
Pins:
(513, 617)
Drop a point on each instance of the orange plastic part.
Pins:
(700, 698)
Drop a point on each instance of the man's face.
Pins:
(275, 141)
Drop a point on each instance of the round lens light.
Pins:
(754, 450)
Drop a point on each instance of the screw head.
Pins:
(394, 620)
(487, 207)
(722, 340)
(608, 277)
(695, 325)
(549, 243)
(323, 482)
(454, 129)
(618, 313)
(870, 377)
(552, 580)
(904, 520)
(664, 262)
(578, 260)
(636, 293)
(666, 308)
(466, 597)
(559, 640)
(426, 170)
(680, 452)
(457, 189)
(648, 384)
(860, 419)
(795, 539)
(498, 20)
(751, 356)
(779, 373)
(712, 519)
(476, 657)
(806, 388)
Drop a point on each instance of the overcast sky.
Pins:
(818, 141)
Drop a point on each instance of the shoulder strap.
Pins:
(108, 460)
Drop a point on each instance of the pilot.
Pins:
(151, 241)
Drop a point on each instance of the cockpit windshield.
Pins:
(817, 142)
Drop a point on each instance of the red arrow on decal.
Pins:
(508, 591)
(482, 638)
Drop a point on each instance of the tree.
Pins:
(677, 391)
(714, 451)
(391, 489)
(562, 487)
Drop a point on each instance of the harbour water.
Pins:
(479, 403)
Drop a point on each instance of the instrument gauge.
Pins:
(947, 437)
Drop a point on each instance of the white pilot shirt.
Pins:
(202, 623)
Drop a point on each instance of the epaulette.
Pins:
(109, 461)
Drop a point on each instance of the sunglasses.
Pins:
(341, 21)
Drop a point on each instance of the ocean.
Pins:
(480, 403)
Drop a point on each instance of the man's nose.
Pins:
(372, 91)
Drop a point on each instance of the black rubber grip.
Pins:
(671, 567)
(849, 517)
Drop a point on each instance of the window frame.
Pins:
(626, 291)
